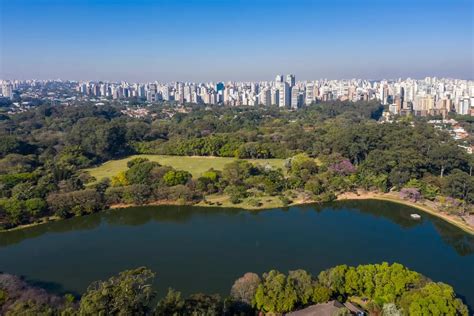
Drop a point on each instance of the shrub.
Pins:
(411, 194)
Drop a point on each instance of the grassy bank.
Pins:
(196, 165)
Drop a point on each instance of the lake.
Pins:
(197, 249)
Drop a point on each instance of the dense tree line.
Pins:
(43, 153)
(385, 290)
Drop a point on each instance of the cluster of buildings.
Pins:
(430, 96)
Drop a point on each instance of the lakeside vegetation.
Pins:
(48, 153)
(380, 289)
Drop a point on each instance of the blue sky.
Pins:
(205, 40)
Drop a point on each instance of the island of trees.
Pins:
(377, 289)
(328, 148)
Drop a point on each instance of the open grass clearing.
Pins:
(196, 165)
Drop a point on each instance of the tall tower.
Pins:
(290, 79)
(284, 94)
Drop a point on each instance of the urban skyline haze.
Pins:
(250, 40)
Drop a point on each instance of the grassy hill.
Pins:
(194, 164)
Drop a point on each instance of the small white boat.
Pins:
(415, 216)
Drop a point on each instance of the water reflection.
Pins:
(461, 241)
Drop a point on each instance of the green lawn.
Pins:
(194, 164)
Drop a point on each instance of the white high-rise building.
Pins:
(284, 94)
(295, 98)
(275, 96)
(309, 93)
(291, 80)
(265, 97)
(7, 90)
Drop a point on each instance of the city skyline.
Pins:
(430, 96)
(235, 41)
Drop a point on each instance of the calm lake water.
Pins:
(196, 249)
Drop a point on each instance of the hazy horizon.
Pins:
(212, 40)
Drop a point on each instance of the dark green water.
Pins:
(205, 249)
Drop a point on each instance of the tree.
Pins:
(321, 294)
(128, 293)
(433, 299)
(175, 177)
(139, 173)
(334, 278)
(75, 203)
(303, 285)
(244, 288)
(171, 305)
(36, 207)
(275, 293)
(445, 157)
(236, 193)
(136, 161)
(236, 172)
(411, 194)
(459, 184)
(203, 304)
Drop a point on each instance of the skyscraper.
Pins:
(309, 93)
(290, 79)
(284, 94)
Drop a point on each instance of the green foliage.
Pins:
(75, 203)
(236, 193)
(13, 212)
(120, 179)
(236, 172)
(43, 150)
(203, 304)
(175, 177)
(136, 194)
(129, 293)
(392, 290)
(171, 305)
(140, 173)
(459, 184)
(275, 293)
(321, 294)
(382, 282)
(36, 207)
(427, 190)
(136, 161)
(303, 285)
(27, 308)
(433, 299)
(8, 181)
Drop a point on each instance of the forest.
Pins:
(329, 148)
(381, 289)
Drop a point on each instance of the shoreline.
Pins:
(346, 196)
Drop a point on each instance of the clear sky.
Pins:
(144, 40)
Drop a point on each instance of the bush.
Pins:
(254, 202)
(176, 177)
(36, 207)
(411, 194)
(236, 193)
(136, 161)
(136, 193)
